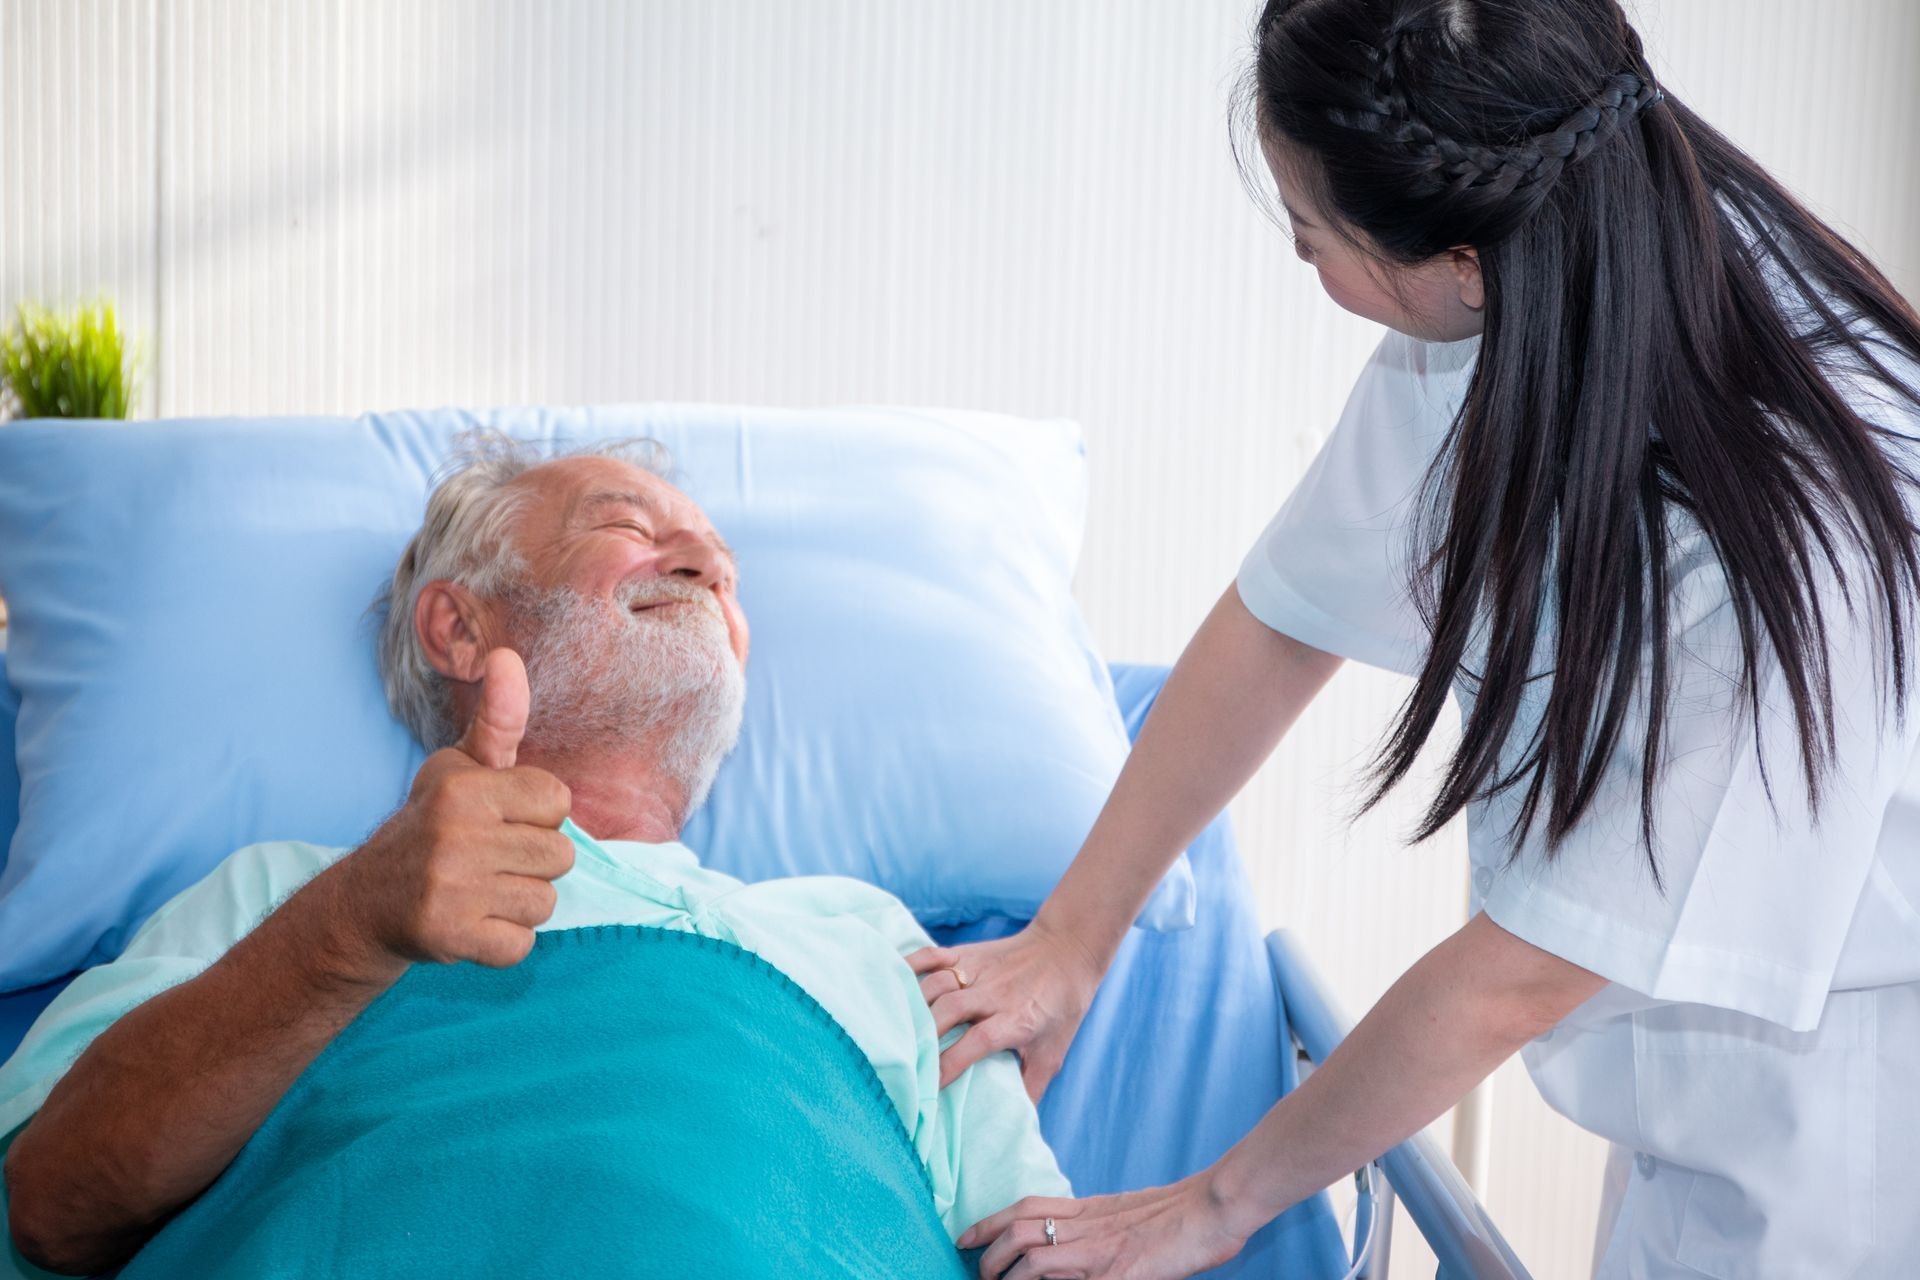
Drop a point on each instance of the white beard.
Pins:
(602, 676)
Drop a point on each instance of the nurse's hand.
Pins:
(1163, 1233)
(464, 871)
(1027, 993)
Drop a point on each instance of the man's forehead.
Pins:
(571, 489)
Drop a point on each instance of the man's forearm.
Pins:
(164, 1099)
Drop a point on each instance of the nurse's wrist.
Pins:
(1082, 942)
(1233, 1195)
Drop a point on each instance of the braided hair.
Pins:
(1662, 326)
(1445, 164)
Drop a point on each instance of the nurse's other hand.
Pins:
(464, 870)
(1163, 1233)
(1027, 993)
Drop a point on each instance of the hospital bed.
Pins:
(1269, 1011)
(1195, 1033)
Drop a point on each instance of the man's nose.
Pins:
(693, 559)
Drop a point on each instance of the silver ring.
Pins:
(1051, 1238)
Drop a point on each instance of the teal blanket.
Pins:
(625, 1102)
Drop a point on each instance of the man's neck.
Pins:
(617, 795)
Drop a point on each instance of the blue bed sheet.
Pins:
(18, 1009)
(1183, 1051)
(1185, 1048)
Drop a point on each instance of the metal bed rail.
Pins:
(1451, 1218)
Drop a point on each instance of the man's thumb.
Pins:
(499, 721)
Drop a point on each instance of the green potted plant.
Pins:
(72, 365)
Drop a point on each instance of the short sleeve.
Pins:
(845, 943)
(1759, 889)
(999, 1154)
(194, 928)
(990, 1151)
(1330, 570)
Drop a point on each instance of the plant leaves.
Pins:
(76, 365)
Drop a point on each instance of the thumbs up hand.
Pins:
(493, 735)
(465, 870)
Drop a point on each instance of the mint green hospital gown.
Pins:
(840, 940)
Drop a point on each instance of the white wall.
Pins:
(335, 206)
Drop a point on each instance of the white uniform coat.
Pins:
(1756, 1058)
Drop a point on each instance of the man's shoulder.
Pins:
(240, 890)
(833, 898)
(278, 866)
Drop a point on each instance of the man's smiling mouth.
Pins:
(708, 605)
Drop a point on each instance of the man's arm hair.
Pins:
(162, 1101)
(165, 1098)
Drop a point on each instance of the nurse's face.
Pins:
(1439, 300)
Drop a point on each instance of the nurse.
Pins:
(1630, 477)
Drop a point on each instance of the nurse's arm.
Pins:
(1236, 690)
(1462, 1010)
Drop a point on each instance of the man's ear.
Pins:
(451, 623)
(1466, 275)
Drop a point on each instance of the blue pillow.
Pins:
(195, 671)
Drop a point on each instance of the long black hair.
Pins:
(1661, 327)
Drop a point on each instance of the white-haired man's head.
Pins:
(609, 582)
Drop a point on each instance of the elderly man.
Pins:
(566, 633)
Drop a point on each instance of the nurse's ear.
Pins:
(1465, 262)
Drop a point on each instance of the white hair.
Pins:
(467, 537)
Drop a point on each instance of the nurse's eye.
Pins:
(1302, 250)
